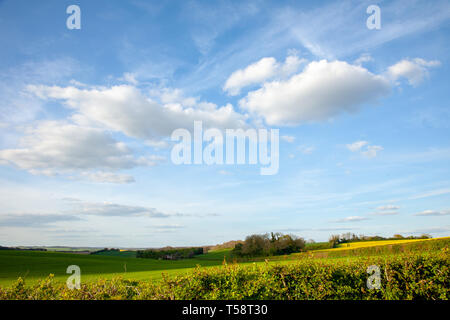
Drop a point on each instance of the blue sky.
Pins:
(86, 117)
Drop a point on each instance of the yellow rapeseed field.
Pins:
(364, 244)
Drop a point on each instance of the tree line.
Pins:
(169, 253)
(268, 245)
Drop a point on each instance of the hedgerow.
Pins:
(404, 276)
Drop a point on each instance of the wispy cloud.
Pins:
(352, 219)
(35, 220)
(336, 229)
(116, 210)
(385, 213)
(166, 228)
(388, 207)
(433, 213)
(432, 193)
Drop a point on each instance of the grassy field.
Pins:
(33, 265)
(121, 253)
(409, 275)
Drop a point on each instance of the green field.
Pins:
(34, 265)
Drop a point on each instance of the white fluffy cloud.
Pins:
(82, 146)
(363, 147)
(126, 109)
(306, 149)
(362, 59)
(58, 147)
(356, 146)
(289, 139)
(260, 71)
(415, 70)
(321, 91)
(372, 151)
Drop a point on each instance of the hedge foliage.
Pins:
(406, 276)
(169, 254)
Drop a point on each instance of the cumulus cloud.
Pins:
(321, 91)
(306, 149)
(289, 139)
(363, 147)
(126, 109)
(372, 151)
(84, 144)
(356, 146)
(130, 78)
(54, 147)
(433, 213)
(362, 59)
(415, 70)
(260, 71)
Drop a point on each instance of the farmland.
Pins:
(153, 275)
(32, 266)
(366, 244)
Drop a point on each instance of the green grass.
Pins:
(410, 275)
(124, 254)
(35, 265)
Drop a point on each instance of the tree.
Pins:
(263, 245)
(334, 240)
(255, 245)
